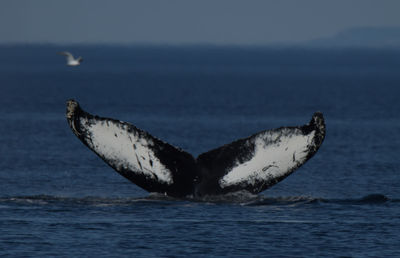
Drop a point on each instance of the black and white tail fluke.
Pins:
(252, 164)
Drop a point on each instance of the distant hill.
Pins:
(362, 37)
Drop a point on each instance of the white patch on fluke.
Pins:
(275, 155)
(124, 150)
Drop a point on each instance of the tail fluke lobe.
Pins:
(261, 160)
(148, 162)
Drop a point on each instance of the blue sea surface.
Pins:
(58, 199)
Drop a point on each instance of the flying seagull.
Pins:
(71, 61)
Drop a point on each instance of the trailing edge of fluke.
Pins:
(252, 164)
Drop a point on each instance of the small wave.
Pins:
(234, 197)
(289, 200)
(368, 199)
(88, 200)
(375, 198)
(242, 198)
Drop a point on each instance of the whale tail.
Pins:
(252, 164)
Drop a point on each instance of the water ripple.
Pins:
(154, 199)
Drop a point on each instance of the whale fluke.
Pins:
(252, 164)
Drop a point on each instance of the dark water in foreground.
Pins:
(58, 199)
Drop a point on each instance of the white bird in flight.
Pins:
(71, 61)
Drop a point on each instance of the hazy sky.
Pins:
(187, 21)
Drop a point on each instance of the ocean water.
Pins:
(58, 199)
